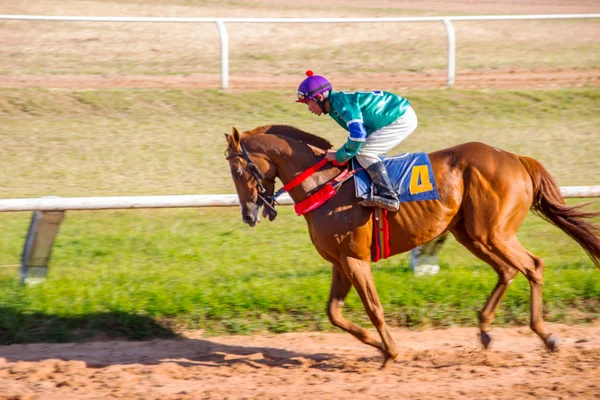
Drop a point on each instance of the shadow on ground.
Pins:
(18, 327)
(115, 338)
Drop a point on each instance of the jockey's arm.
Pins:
(356, 139)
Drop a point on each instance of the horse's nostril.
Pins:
(247, 219)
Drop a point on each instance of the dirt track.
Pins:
(543, 78)
(434, 364)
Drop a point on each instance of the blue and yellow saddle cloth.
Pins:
(411, 176)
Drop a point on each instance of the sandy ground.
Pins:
(543, 78)
(434, 364)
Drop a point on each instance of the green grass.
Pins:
(151, 273)
(142, 273)
(126, 142)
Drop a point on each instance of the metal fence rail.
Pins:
(180, 201)
(224, 37)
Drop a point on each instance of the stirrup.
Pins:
(381, 202)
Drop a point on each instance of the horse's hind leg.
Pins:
(512, 251)
(506, 256)
(359, 274)
(505, 272)
(340, 287)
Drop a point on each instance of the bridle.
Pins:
(312, 202)
(268, 201)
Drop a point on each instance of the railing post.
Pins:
(451, 51)
(38, 245)
(224, 54)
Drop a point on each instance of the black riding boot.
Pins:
(384, 195)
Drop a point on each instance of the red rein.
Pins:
(300, 178)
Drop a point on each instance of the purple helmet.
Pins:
(312, 86)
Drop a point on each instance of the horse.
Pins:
(485, 194)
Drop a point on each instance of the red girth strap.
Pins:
(300, 178)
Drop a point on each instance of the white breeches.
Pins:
(383, 140)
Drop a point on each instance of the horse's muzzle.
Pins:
(250, 214)
(250, 220)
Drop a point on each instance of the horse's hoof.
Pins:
(485, 339)
(552, 343)
(389, 360)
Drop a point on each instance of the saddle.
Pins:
(410, 173)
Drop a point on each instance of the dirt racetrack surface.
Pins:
(433, 364)
(542, 78)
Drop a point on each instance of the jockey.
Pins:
(377, 121)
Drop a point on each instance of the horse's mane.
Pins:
(292, 133)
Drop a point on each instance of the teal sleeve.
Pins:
(348, 151)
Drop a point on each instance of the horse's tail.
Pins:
(549, 204)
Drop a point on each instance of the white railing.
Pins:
(220, 22)
(180, 201)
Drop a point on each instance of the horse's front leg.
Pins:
(340, 287)
(359, 274)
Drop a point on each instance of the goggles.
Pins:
(303, 97)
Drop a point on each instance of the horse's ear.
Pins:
(234, 138)
(235, 134)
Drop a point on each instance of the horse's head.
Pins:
(254, 178)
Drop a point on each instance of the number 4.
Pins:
(419, 180)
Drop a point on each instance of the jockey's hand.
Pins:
(330, 155)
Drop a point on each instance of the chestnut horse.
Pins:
(485, 194)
